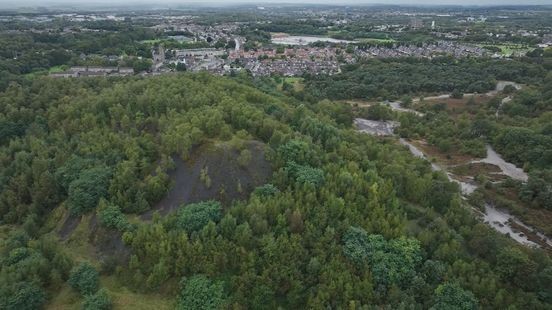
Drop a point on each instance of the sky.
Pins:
(20, 3)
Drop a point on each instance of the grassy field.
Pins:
(457, 107)
(58, 69)
(151, 41)
(508, 49)
(297, 83)
(364, 40)
(123, 298)
(374, 40)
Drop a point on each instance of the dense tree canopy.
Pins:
(346, 219)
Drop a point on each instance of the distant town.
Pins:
(318, 40)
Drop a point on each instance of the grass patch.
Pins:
(454, 157)
(375, 40)
(56, 69)
(78, 245)
(153, 41)
(65, 298)
(507, 198)
(123, 298)
(297, 83)
(508, 49)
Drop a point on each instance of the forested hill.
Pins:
(344, 220)
(392, 78)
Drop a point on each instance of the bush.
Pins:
(378, 112)
(266, 190)
(84, 278)
(244, 158)
(196, 215)
(305, 174)
(406, 101)
(509, 89)
(111, 216)
(99, 301)
(456, 94)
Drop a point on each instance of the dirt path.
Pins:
(507, 168)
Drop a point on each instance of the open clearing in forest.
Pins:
(459, 103)
(450, 159)
(67, 298)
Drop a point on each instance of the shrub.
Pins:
(244, 158)
(196, 215)
(99, 301)
(111, 216)
(456, 94)
(305, 174)
(266, 190)
(200, 293)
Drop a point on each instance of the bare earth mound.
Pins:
(213, 172)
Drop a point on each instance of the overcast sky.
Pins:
(19, 3)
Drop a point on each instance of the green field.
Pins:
(151, 41)
(508, 49)
(374, 40)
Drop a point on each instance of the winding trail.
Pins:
(500, 220)
(466, 188)
(507, 168)
(395, 105)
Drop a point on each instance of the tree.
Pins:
(181, 67)
(86, 191)
(514, 265)
(391, 262)
(84, 279)
(406, 101)
(456, 94)
(22, 296)
(357, 245)
(266, 190)
(199, 292)
(296, 224)
(450, 296)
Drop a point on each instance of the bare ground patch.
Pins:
(213, 172)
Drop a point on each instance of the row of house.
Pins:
(76, 72)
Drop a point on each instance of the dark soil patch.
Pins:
(108, 243)
(228, 180)
(534, 217)
(432, 152)
(472, 169)
(71, 222)
(531, 236)
(458, 106)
